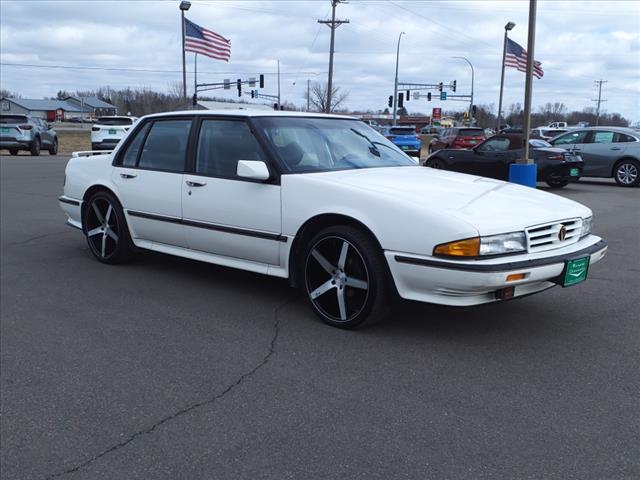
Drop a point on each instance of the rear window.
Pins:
(471, 132)
(13, 119)
(402, 131)
(114, 121)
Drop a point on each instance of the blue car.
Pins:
(405, 138)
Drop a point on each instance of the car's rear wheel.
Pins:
(345, 277)
(13, 151)
(627, 173)
(53, 149)
(436, 163)
(557, 182)
(35, 147)
(106, 229)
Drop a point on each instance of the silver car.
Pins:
(606, 151)
(24, 132)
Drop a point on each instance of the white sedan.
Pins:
(328, 203)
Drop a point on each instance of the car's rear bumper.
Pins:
(561, 171)
(73, 208)
(473, 282)
(15, 144)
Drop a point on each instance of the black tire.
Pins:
(436, 163)
(627, 173)
(35, 147)
(356, 273)
(53, 149)
(557, 182)
(106, 229)
(13, 151)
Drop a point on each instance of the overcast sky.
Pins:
(576, 41)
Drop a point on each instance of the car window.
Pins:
(114, 121)
(471, 132)
(130, 157)
(166, 146)
(621, 137)
(537, 143)
(221, 144)
(571, 138)
(500, 144)
(602, 137)
(12, 119)
(402, 131)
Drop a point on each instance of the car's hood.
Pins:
(491, 206)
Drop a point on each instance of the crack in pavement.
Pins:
(149, 430)
(38, 237)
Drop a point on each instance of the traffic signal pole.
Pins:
(395, 83)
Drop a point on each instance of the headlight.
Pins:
(587, 224)
(483, 246)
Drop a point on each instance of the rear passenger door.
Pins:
(602, 151)
(149, 175)
(225, 214)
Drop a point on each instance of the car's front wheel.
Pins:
(436, 163)
(627, 173)
(345, 277)
(106, 229)
(557, 182)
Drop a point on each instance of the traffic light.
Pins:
(440, 86)
(275, 106)
(473, 110)
(408, 95)
(194, 102)
(390, 102)
(239, 85)
(453, 87)
(400, 100)
(428, 96)
(261, 80)
(253, 94)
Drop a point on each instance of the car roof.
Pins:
(248, 113)
(604, 127)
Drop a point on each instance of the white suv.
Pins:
(108, 131)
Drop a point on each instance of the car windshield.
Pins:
(471, 132)
(305, 145)
(402, 131)
(12, 119)
(114, 121)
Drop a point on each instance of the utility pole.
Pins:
(599, 100)
(278, 84)
(308, 92)
(509, 26)
(528, 86)
(332, 24)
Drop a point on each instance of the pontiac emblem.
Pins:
(562, 233)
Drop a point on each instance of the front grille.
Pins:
(548, 236)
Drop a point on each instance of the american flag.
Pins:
(516, 57)
(201, 40)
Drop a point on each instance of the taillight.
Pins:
(25, 127)
(557, 157)
(95, 129)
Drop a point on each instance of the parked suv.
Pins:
(24, 132)
(457, 137)
(108, 131)
(405, 138)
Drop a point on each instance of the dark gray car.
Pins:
(24, 132)
(606, 152)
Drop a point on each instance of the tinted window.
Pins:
(131, 155)
(13, 119)
(166, 146)
(221, 144)
(402, 131)
(114, 121)
(471, 132)
(495, 145)
(602, 137)
(621, 137)
(571, 138)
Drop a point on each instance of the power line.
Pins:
(599, 100)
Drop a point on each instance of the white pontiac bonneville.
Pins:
(330, 204)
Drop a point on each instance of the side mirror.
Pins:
(253, 169)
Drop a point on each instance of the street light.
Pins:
(184, 6)
(471, 102)
(509, 26)
(395, 85)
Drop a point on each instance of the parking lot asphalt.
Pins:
(171, 369)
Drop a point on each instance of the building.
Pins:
(57, 110)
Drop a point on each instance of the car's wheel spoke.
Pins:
(356, 283)
(341, 304)
(324, 263)
(95, 231)
(108, 215)
(104, 245)
(343, 255)
(112, 234)
(98, 213)
(325, 287)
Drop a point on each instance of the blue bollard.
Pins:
(523, 174)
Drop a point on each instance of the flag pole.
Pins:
(529, 80)
(184, 6)
(507, 27)
(195, 77)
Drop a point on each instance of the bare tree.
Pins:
(7, 94)
(318, 97)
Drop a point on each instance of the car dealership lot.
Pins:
(167, 368)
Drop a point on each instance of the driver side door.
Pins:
(490, 159)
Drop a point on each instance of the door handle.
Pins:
(616, 148)
(128, 175)
(195, 184)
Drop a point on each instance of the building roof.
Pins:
(34, 104)
(93, 102)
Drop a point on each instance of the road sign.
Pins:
(416, 95)
(436, 114)
(443, 95)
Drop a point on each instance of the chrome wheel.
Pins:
(627, 173)
(336, 278)
(103, 231)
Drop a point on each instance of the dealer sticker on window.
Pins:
(575, 271)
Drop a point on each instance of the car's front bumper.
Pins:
(473, 282)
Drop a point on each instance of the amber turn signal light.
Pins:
(516, 276)
(469, 247)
